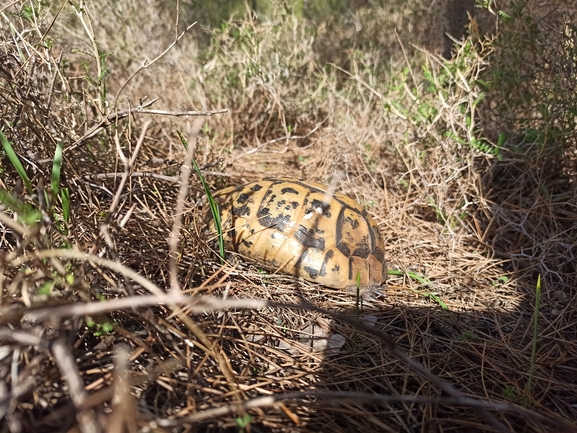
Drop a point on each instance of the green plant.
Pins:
(214, 211)
(424, 281)
(500, 280)
(532, 70)
(30, 213)
(244, 422)
(454, 92)
(252, 63)
(468, 335)
(45, 288)
(13, 157)
(509, 392)
(27, 213)
(101, 327)
(529, 385)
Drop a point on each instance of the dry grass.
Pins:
(122, 319)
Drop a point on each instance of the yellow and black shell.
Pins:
(283, 224)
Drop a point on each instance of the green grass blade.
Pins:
(213, 205)
(56, 167)
(358, 300)
(7, 145)
(215, 212)
(65, 196)
(529, 386)
(182, 140)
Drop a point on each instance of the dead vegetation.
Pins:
(115, 313)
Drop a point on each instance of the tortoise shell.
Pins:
(283, 224)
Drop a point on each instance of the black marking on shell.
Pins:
(342, 246)
(295, 204)
(243, 211)
(266, 196)
(256, 188)
(274, 235)
(282, 221)
(283, 204)
(329, 255)
(302, 184)
(267, 220)
(289, 190)
(313, 273)
(242, 198)
(350, 268)
(353, 222)
(326, 208)
(307, 239)
(372, 242)
(264, 217)
(312, 188)
(339, 229)
(304, 255)
(379, 255)
(363, 252)
(363, 249)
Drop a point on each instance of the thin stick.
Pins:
(174, 237)
(127, 168)
(117, 115)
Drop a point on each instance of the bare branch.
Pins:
(69, 369)
(177, 215)
(147, 64)
(117, 115)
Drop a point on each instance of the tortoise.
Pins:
(284, 224)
